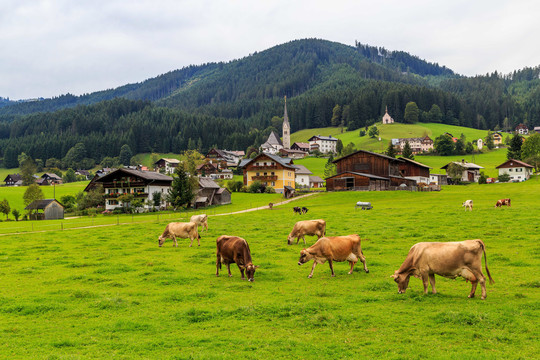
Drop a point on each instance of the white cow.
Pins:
(200, 220)
(467, 204)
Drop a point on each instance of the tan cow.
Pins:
(448, 259)
(200, 220)
(307, 227)
(234, 249)
(468, 204)
(334, 248)
(181, 230)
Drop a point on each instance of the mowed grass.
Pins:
(113, 293)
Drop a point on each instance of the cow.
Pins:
(468, 204)
(448, 259)
(304, 210)
(181, 230)
(200, 220)
(297, 210)
(234, 249)
(307, 227)
(503, 202)
(334, 248)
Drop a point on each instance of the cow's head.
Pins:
(305, 256)
(290, 239)
(250, 271)
(402, 280)
(161, 240)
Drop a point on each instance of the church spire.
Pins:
(286, 128)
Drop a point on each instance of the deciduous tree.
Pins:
(411, 113)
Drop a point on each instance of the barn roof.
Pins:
(368, 152)
(207, 183)
(41, 204)
(415, 162)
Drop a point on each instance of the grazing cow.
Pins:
(468, 204)
(234, 249)
(307, 227)
(334, 248)
(200, 220)
(304, 210)
(181, 230)
(503, 202)
(270, 206)
(449, 259)
(297, 210)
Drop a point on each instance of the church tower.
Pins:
(286, 128)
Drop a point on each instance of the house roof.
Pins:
(199, 167)
(325, 138)
(313, 178)
(292, 151)
(285, 162)
(40, 204)
(83, 172)
(52, 176)
(512, 163)
(466, 165)
(207, 183)
(172, 161)
(221, 191)
(415, 162)
(368, 152)
(147, 175)
(302, 170)
(273, 139)
(302, 144)
(14, 177)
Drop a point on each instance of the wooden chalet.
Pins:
(293, 154)
(168, 165)
(210, 193)
(365, 170)
(50, 179)
(13, 180)
(207, 168)
(414, 170)
(300, 146)
(51, 208)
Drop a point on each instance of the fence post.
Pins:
(61, 226)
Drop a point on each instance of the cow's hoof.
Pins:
(367, 271)
(333, 275)
(309, 276)
(230, 275)
(470, 296)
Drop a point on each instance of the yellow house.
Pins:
(270, 170)
(497, 138)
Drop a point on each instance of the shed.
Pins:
(51, 208)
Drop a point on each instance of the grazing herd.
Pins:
(468, 204)
(424, 261)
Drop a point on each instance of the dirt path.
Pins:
(127, 223)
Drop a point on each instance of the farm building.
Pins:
(207, 169)
(438, 179)
(497, 138)
(522, 129)
(224, 158)
(365, 170)
(270, 170)
(470, 171)
(293, 154)
(50, 179)
(518, 170)
(13, 180)
(315, 182)
(51, 208)
(210, 193)
(302, 175)
(414, 170)
(169, 165)
(418, 145)
(84, 173)
(141, 184)
(300, 146)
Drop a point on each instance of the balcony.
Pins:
(264, 178)
(123, 184)
(263, 167)
(115, 195)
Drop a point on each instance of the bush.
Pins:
(504, 178)
(269, 190)
(256, 187)
(362, 133)
(482, 179)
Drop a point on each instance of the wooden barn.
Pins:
(366, 170)
(210, 193)
(414, 170)
(51, 208)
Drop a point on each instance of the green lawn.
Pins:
(111, 292)
(315, 165)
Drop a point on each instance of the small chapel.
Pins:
(387, 119)
(273, 144)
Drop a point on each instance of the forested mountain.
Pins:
(231, 104)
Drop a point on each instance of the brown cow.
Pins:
(181, 230)
(234, 249)
(503, 202)
(307, 227)
(201, 220)
(449, 259)
(334, 248)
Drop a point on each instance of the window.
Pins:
(510, 170)
(273, 183)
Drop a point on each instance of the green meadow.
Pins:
(111, 292)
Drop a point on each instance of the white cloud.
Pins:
(59, 46)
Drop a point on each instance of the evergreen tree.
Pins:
(435, 114)
(181, 193)
(373, 132)
(514, 151)
(407, 151)
(339, 146)
(391, 150)
(459, 147)
(330, 168)
(10, 158)
(336, 116)
(125, 154)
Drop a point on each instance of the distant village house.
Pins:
(516, 169)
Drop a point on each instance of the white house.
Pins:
(168, 164)
(439, 179)
(140, 184)
(480, 144)
(518, 170)
(418, 145)
(272, 145)
(471, 172)
(325, 144)
(301, 175)
(522, 129)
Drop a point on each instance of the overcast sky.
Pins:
(53, 47)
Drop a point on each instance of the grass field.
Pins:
(113, 293)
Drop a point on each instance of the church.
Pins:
(273, 144)
(387, 119)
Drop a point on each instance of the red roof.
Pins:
(512, 163)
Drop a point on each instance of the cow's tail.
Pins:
(485, 260)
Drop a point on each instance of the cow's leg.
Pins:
(198, 240)
(229, 269)
(304, 238)
(242, 272)
(482, 280)
(312, 269)
(218, 264)
(297, 240)
(331, 267)
(191, 243)
(432, 282)
(352, 263)
(363, 260)
(175, 243)
(469, 275)
(425, 282)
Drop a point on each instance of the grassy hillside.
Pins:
(112, 292)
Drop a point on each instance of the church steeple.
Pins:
(286, 128)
